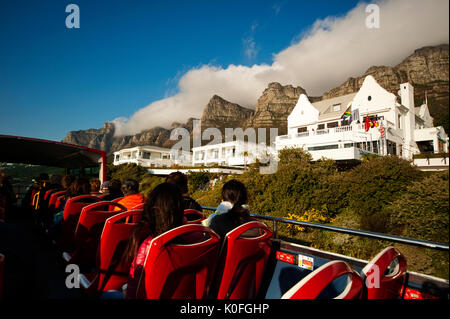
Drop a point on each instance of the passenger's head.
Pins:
(55, 179)
(43, 177)
(104, 187)
(234, 192)
(67, 180)
(114, 187)
(80, 186)
(95, 184)
(130, 186)
(180, 180)
(163, 211)
(164, 208)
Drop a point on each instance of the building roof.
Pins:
(148, 147)
(325, 107)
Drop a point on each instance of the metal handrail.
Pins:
(349, 231)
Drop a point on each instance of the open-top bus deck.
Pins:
(265, 266)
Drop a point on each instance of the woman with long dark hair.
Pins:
(163, 211)
(234, 209)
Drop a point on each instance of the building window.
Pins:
(336, 107)
(391, 148)
(332, 124)
(323, 147)
(348, 145)
(375, 146)
(146, 155)
(399, 121)
(302, 129)
(321, 126)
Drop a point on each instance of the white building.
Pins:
(325, 128)
(152, 156)
(234, 153)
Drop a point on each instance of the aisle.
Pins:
(34, 267)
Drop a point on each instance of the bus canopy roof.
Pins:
(16, 149)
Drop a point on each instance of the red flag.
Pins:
(366, 123)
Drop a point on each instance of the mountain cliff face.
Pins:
(221, 113)
(274, 106)
(427, 69)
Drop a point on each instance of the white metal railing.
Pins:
(302, 134)
(323, 131)
(347, 128)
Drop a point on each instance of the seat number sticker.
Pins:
(306, 262)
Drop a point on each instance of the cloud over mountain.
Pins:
(334, 49)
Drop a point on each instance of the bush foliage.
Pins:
(382, 194)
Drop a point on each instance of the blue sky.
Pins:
(127, 54)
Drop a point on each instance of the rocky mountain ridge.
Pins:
(427, 69)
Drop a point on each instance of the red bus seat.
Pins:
(315, 282)
(385, 275)
(138, 206)
(88, 232)
(52, 201)
(72, 211)
(48, 193)
(111, 274)
(174, 270)
(243, 260)
(194, 216)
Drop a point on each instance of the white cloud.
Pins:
(333, 49)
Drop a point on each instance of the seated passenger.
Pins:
(132, 197)
(181, 181)
(233, 209)
(80, 186)
(95, 186)
(163, 211)
(111, 190)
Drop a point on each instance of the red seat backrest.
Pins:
(112, 244)
(138, 206)
(179, 271)
(75, 205)
(314, 283)
(194, 216)
(117, 199)
(88, 231)
(97, 213)
(243, 260)
(48, 193)
(54, 197)
(72, 211)
(382, 285)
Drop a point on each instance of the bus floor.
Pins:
(34, 268)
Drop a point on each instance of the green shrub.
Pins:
(129, 170)
(423, 210)
(199, 181)
(376, 183)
